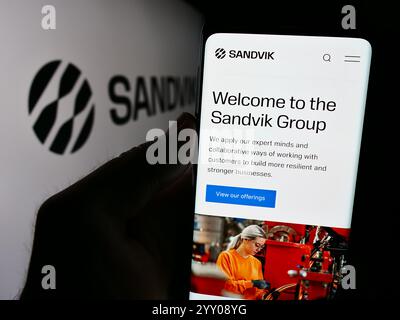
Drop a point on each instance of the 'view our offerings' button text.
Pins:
(241, 196)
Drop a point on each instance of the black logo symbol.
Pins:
(47, 123)
(220, 53)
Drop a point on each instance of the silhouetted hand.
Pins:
(123, 231)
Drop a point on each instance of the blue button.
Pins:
(241, 196)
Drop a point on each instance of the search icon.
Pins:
(326, 57)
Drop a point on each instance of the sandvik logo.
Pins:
(220, 53)
(58, 102)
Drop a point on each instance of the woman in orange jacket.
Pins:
(244, 271)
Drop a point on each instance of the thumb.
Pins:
(127, 183)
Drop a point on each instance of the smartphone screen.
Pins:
(281, 122)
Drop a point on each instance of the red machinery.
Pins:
(302, 262)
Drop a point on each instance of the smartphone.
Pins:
(280, 127)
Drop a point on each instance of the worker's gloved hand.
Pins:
(124, 231)
(261, 284)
